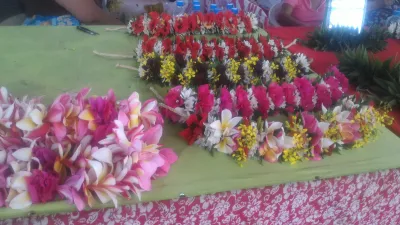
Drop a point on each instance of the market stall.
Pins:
(199, 188)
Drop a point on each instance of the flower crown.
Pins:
(235, 122)
(162, 25)
(79, 148)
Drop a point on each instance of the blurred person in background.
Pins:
(302, 12)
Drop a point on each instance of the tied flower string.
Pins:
(81, 149)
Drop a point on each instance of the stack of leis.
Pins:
(80, 149)
(394, 30)
(236, 123)
(155, 24)
(225, 61)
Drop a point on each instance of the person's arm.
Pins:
(286, 18)
(87, 11)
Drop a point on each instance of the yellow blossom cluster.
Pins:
(290, 67)
(167, 70)
(233, 66)
(274, 77)
(247, 140)
(188, 74)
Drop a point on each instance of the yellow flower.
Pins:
(167, 70)
(291, 68)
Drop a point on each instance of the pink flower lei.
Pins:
(79, 147)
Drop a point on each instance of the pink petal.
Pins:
(39, 132)
(153, 135)
(60, 131)
(56, 113)
(149, 105)
(82, 128)
(78, 200)
(169, 155)
(123, 118)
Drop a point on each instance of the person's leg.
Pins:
(14, 20)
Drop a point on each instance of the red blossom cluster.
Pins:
(162, 25)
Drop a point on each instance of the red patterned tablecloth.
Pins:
(365, 199)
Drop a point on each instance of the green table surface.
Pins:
(45, 61)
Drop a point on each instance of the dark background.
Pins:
(9, 8)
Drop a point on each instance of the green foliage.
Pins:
(338, 39)
(380, 79)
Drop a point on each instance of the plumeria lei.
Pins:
(394, 30)
(155, 24)
(235, 122)
(79, 148)
(223, 61)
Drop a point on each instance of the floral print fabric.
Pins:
(365, 199)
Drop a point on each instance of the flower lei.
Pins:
(225, 61)
(162, 25)
(301, 94)
(79, 147)
(235, 123)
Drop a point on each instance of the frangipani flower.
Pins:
(226, 126)
(135, 114)
(273, 143)
(18, 196)
(63, 115)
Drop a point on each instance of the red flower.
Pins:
(334, 88)
(42, 186)
(255, 49)
(195, 128)
(181, 25)
(194, 50)
(306, 90)
(230, 22)
(154, 22)
(219, 53)
(209, 20)
(167, 46)
(148, 44)
(173, 99)
(275, 92)
(137, 26)
(181, 46)
(205, 99)
(195, 21)
(243, 103)
(247, 22)
(289, 92)
(220, 20)
(260, 92)
(243, 50)
(324, 97)
(267, 50)
(164, 26)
